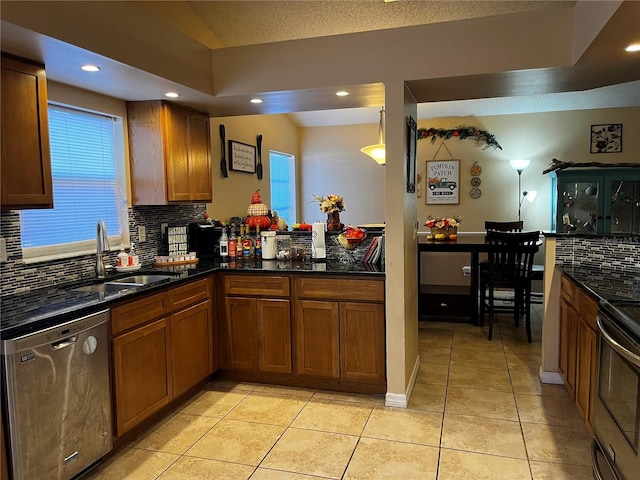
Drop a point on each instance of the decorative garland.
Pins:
(460, 132)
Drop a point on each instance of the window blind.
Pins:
(86, 184)
(282, 170)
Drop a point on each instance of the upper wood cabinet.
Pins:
(170, 153)
(26, 159)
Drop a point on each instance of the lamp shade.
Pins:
(377, 151)
(519, 164)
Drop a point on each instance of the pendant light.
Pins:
(377, 151)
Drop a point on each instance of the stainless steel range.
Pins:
(616, 422)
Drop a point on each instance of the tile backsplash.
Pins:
(18, 277)
(611, 253)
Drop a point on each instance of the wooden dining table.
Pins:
(454, 301)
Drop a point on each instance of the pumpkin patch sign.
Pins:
(443, 182)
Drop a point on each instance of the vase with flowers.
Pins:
(443, 228)
(332, 205)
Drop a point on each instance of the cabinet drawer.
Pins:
(569, 290)
(588, 310)
(185, 295)
(132, 314)
(262, 285)
(340, 289)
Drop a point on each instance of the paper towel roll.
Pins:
(318, 248)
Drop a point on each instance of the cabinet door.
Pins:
(177, 153)
(585, 371)
(274, 335)
(200, 173)
(362, 342)
(26, 159)
(242, 333)
(140, 374)
(317, 338)
(568, 347)
(190, 346)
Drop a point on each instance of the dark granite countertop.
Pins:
(606, 283)
(46, 307)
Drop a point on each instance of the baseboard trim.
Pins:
(550, 377)
(402, 400)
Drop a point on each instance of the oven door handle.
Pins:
(630, 356)
(594, 460)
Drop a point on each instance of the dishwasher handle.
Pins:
(64, 343)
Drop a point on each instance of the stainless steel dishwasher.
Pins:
(58, 398)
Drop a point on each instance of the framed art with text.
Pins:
(443, 182)
(242, 157)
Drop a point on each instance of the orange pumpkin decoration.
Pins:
(257, 213)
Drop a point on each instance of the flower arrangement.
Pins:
(333, 203)
(443, 222)
(460, 132)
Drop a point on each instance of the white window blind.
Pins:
(283, 185)
(86, 158)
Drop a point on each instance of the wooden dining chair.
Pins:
(510, 267)
(515, 226)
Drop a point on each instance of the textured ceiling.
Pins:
(238, 23)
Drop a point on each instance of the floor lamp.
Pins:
(519, 165)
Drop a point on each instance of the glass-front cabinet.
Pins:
(598, 201)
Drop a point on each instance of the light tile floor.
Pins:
(478, 411)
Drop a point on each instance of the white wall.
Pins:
(332, 163)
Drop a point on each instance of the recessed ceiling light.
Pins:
(256, 100)
(634, 47)
(342, 93)
(90, 68)
(172, 94)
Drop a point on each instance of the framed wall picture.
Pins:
(412, 143)
(242, 157)
(443, 182)
(606, 138)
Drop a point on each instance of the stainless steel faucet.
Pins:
(102, 245)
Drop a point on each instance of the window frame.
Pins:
(292, 164)
(88, 247)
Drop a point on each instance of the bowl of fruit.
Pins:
(351, 237)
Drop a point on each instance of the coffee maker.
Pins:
(204, 239)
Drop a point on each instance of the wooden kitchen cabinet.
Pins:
(340, 329)
(568, 346)
(190, 346)
(26, 158)
(162, 346)
(140, 374)
(258, 329)
(586, 358)
(170, 153)
(577, 353)
(318, 338)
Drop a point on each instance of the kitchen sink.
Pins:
(138, 280)
(114, 286)
(102, 288)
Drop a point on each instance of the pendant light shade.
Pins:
(377, 151)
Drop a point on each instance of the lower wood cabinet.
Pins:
(318, 338)
(162, 346)
(577, 352)
(339, 338)
(258, 329)
(568, 346)
(336, 337)
(190, 346)
(140, 374)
